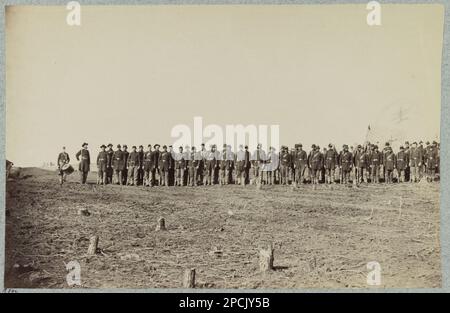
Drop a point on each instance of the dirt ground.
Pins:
(323, 238)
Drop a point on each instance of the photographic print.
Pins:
(248, 147)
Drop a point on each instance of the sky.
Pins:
(129, 74)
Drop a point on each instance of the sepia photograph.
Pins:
(223, 147)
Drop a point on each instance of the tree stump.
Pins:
(266, 259)
(93, 243)
(189, 278)
(161, 224)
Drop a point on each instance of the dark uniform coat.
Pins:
(118, 160)
(416, 157)
(389, 161)
(102, 160)
(402, 160)
(315, 160)
(85, 160)
(148, 161)
(134, 159)
(346, 161)
(300, 159)
(331, 159)
(164, 160)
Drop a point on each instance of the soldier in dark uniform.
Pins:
(133, 164)
(402, 160)
(172, 166)
(141, 168)
(202, 165)
(285, 163)
(432, 161)
(156, 174)
(375, 160)
(291, 169)
(163, 164)
(389, 164)
(63, 159)
(422, 153)
(258, 158)
(109, 169)
(117, 164)
(315, 162)
(180, 166)
(361, 165)
(102, 163)
(148, 166)
(212, 165)
(85, 161)
(415, 162)
(408, 168)
(193, 165)
(240, 166)
(300, 164)
(331, 161)
(345, 164)
(247, 165)
(223, 166)
(125, 155)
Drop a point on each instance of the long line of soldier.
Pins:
(190, 167)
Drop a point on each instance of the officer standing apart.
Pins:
(85, 161)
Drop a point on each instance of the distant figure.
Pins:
(85, 161)
(63, 159)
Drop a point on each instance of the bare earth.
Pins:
(323, 238)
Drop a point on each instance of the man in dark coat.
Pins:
(85, 162)
(285, 163)
(102, 163)
(125, 155)
(148, 164)
(141, 165)
(389, 163)
(375, 160)
(361, 164)
(63, 159)
(300, 164)
(432, 161)
(415, 162)
(345, 164)
(315, 162)
(180, 166)
(109, 169)
(402, 161)
(331, 160)
(133, 164)
(163, 164)
(156, 174)
(117, 164)
(192, 165)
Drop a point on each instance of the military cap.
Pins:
(118, 146)
(164, 147)
(345, 146)
(170, 146)
(387, 144)
(401, 148)
(192, 148)
(376, 147)
(406, 142)
(414, 143)
(84, 144)
(420, 142)
(102, 146)
(125, 146)
(330, 146)
(300, 145)
(434, 142)
(246, 147)
(133, 147)
(149, 145)
(203, 144)
(110, 145)
(157, 145)
(427, 143)
(313, 146)
(141, 146)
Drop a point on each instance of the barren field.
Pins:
(322, 238)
